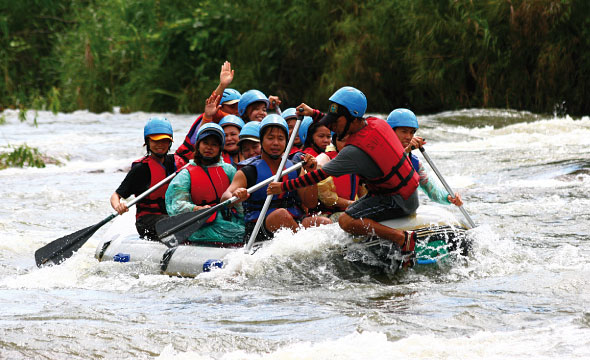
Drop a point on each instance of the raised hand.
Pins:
(212, 105)
(226, 75)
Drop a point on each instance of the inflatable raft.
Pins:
(439, 235)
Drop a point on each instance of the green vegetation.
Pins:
(429, 55)
(25, 156)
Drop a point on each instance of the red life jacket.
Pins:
(186, 150)
(153, 203)
(379, 141)
(346, 185)
(311, 151)
(207, 185)
(294, 149)
(227, 158)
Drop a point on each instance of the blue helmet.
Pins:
(289, 113)
(402, 117)
(158, 126)
(250, 131)
(352, 99)
(273, 120)
(249, 97)
(232, 120)
(211, 129)
(230, 96)
(304, 127)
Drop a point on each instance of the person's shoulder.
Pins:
(228, 168)
(249, 161)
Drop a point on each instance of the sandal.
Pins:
(408, 253)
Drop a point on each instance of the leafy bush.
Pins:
(25, 156)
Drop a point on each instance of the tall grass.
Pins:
(429, 55)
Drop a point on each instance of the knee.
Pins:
(280, 215)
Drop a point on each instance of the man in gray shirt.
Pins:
(375, 154)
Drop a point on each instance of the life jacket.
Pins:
(296, 157)
(248, 161)
(346, 187)
(378, 140)
(153, 203)
(294, 149)
(207, 186)
(227, 158)
(415, 162)
(311, 151)
(186, 150)
(255, 202)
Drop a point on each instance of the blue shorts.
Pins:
(383, 207)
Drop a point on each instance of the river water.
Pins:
(523, 293)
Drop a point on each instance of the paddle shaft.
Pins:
(446, 185)
(154, 188)
(278, 176)
(168, 237)
(277, 109)
(60, 249)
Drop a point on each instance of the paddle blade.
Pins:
(176, 229)
(61, 249)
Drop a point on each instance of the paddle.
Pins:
(447, 187)
(176, 229)
(61, 249)
(277, 108)
(278, 176)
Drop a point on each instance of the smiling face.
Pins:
(274, 141)
(159, 147)
(250, 148)
(232, 136)
(256, 111)
(405, 134)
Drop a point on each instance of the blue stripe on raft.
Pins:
(425, 261)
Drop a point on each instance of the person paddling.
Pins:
(201, 185)
(405, 124)
(337, 193)
(285, 210)
(375, 154)
(155, 166)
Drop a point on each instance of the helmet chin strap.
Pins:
(317, 149)
(274, 157)
(342, 135)
(206, 160)
(150, 152)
